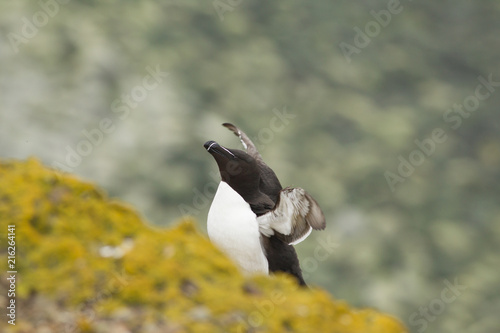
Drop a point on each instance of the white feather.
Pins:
(232, 226)
(297, 241)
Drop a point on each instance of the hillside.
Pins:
(86, 263)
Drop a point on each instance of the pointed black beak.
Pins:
(213, 147)
(209, 144)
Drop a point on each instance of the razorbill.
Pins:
(253, 219)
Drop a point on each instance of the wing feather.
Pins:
(293, 218)
(249, 146)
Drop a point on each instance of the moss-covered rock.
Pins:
(87, 263)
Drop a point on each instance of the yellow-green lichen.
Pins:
(95, 260)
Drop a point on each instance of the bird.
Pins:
(252, 218)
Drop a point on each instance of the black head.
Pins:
(236, 167)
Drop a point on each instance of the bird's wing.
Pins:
(295, 215)
(245, 140)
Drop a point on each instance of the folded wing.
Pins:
(295, 215)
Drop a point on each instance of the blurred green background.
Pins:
(335, 94)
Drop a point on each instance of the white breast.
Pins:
(233, 227)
